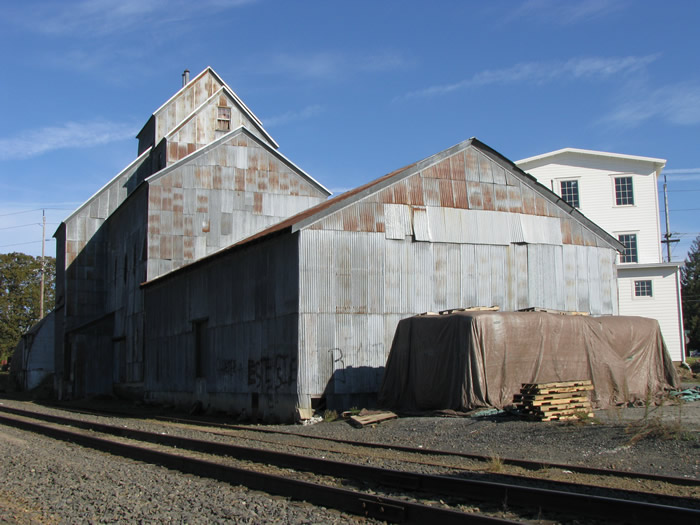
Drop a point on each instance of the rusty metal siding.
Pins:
(210, 214)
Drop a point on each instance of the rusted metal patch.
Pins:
(566, 231)
(528, 196)
(487, 195)
(457, 166)
(540, 206)
(166, 247)
(154, 222)
(431, 192)
(350, 220)
(166, 198)
(386, 196)
(474, 196)
(188, 225)
(459, 193)
(188, 248)
(445, 187)
(400, 193)
(415, 190)
(471, 165)
(515, 200)
(368, 212)
(441, 170)
(239, 179)
(216, 180)
(202, 203)
(257, 203)
(154, 197)
(501, 197)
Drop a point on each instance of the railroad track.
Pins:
(533, 468)
(178, 453)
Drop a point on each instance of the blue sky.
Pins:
(349, 90)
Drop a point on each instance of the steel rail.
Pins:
(524, 463)
(378, 507)
(516, 495)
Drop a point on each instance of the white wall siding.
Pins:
(662, 306)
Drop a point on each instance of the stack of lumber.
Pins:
(555, 401)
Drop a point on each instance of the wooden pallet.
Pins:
(553, 401)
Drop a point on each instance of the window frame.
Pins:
(639, 286)
(635, 256)
(223, 123)
(574, 181)
(623, 195)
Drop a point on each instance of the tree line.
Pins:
(20, 278)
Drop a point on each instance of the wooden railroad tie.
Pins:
(552, 401)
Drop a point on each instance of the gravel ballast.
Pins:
(46, 481)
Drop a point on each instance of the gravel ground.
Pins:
(661, 440)
(45, 481)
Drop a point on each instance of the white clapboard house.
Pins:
(619, 193)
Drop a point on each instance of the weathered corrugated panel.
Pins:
(439, 276)
(570, 267)
(605, 273)
(459, 193)
(431, 192)
(485, 169)
(487, 196)
(471, 165)
(483, 261)
(535, 275)
(501, 197)
(457, 166)
(528, 196)
(397, 219)
(475, 196)
(499, 174)
(541, 230)
(582, 280)
(499, 272)
(596, 303)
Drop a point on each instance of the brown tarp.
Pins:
(462, 361)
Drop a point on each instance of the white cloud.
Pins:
(105, 17)
(290, 116)
(542, 73)
(681, 171)
(71, 135)
(332, 65)
(677, 104)
(565, 12)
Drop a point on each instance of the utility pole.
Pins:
(667, 236)
(41, 288)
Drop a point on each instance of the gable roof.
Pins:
(133, 165)
(236, 99)
(657, 163)
(316, 213)
(228, 136)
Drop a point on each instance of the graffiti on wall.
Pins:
(270, 374)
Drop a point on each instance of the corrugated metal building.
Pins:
(207, 176)
(307, 308)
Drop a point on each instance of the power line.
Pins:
(25, 225)
(21, 243)
(29, 211)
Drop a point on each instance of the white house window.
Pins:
(223, 119)
(624, 195)
(642, 288)
(629, 241)
(569, 192)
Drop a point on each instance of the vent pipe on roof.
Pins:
(185, 77)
